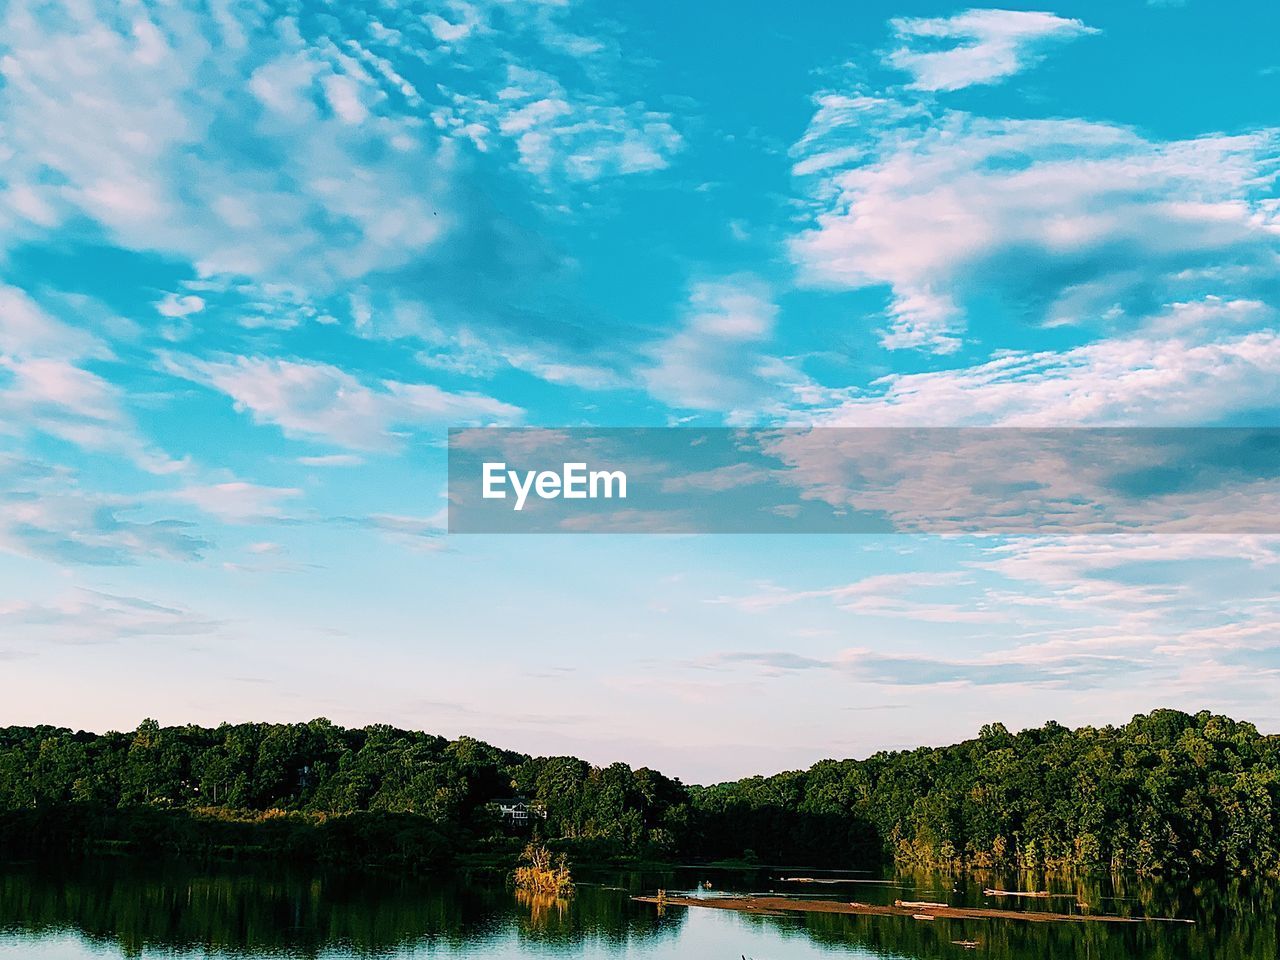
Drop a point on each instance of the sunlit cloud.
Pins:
(987, 46)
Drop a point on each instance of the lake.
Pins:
(118, 908)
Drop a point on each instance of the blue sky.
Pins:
(257, 258)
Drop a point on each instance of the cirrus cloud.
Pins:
(314, 400)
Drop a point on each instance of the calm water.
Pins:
(119, 909)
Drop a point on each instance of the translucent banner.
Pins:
(861, 481)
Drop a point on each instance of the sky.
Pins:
(256, 258)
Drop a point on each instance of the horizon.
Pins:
(601, 763)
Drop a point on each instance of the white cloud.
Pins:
(143, 123)
(989, 45)
(890, 595)
(1078, 564)
(450, 31)
(1143, 380)
(57, 398)
(1045, 221)
(236, 501)
(343, 95)
(332, 460)
(557, 135)
(45, 514)
(45, 387)
(718, 479)
(1185, 617)
(276, 155)
(473, 354)
(87, 616)
(176, 306)
(1168, 610)
(416, 533)
(27, 329)
(715, 360)
(1164, 253)
(317, 400)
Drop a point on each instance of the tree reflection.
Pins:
(129, 908)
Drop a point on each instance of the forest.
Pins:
(1168, 792)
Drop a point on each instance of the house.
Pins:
(517, 811)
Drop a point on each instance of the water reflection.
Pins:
(245, 912)
(127, 909)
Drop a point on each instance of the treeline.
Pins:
(1167, 792)
(314, 792)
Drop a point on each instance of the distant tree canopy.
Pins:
(1166, 792)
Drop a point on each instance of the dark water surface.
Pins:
(116, 909)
